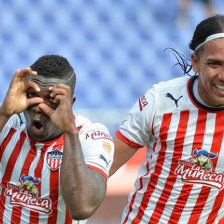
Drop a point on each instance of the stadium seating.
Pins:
(116, 46)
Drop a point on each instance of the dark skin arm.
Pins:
(83, 189)
(15, 100)
(123, 152)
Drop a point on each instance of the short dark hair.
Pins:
(205, 28)
(55, 66)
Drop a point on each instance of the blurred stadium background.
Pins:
(117, 50)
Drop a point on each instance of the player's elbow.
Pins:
(81, 213)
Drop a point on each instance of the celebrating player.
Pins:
(54, 163)
(181, 122)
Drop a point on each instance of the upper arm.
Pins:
(98, 148)
(123, 152)
(135, 130)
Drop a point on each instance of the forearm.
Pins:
(79, 187)
(3, 118)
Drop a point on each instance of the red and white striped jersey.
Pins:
(29, 171)
(182, 179)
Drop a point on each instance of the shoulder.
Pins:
(84, 125)
(166, 96)
(17, 121)
(172, 83)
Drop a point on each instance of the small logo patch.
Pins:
(97, 134)
(107, 146)
(29, 183)
(142, 102)
(104, 159)
(172, 98)
(54, 159)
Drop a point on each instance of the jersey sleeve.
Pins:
(98, 148)
(135, 130)
(15, 122)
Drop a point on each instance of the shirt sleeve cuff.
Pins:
(99, 170)
(126, 140)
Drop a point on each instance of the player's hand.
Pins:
(16, 100)
(62, 116)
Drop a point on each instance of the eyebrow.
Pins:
(214, 59)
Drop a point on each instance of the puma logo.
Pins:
(172, 98)
(20, 118)
(104, 159)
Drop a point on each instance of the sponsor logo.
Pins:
(142, 102)
(20, 196)
(20, 119)
(172, 98)
(104, 159)
(107, 146)
(54, 159)
(198, 169)
(98, 135)
(28, 182)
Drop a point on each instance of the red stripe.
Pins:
(219, 198)
(68, 219)
(141, 178)
(34, 216)
(126, 140)
(6, 141)
(216, 207)
(16, 212)
(186, 189)
(178, 149)
(54, 191)
(8, 171)
(205, 191)
(134, 195)
(158, 168)
(140, 105)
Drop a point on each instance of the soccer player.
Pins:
(54, 163)
(181, 123)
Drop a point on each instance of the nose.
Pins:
(36, 109)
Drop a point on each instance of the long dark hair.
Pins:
(205, 28)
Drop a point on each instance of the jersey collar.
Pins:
(195, 101)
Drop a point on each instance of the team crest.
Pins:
(54, 159)
(199, 169)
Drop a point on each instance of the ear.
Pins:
(73, 100)
(195, 63)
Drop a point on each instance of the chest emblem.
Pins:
(199, 169)
(54, 159)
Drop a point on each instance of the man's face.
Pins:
(39, 125)
(210, 66)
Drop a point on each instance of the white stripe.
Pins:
(20, 161)
(187, 148)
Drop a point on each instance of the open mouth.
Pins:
(37, 127)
